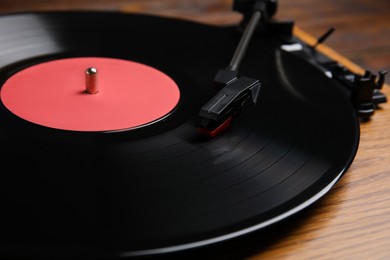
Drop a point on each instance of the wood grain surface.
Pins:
(353, 220)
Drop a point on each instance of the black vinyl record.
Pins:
(164, 187)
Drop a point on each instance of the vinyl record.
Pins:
(161, 186)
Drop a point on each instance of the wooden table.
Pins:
(353, 220)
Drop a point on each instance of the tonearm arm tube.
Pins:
(236, 90)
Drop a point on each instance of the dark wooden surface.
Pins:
(353, 220)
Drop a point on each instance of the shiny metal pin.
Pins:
(91, 81)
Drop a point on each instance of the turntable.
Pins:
(128, 135)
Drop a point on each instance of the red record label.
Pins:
(124, 95)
